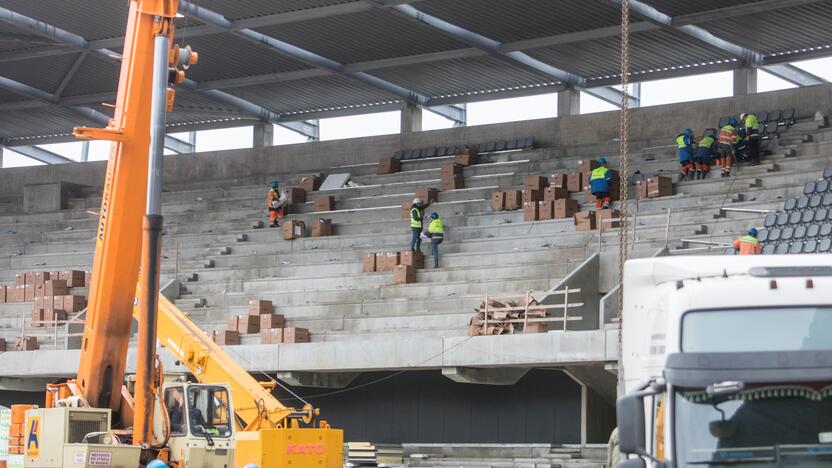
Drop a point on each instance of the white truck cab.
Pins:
(727, 361)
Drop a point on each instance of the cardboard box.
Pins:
(546, 209)
(603, 217)
(536, 327)
(293, 229)
(368, 264)
(530, 212)
(498, 201)
(55, 288)
(28, 343)
(555, 193)
(4, 290)
(73, 278)
(404, 274)
(226, 337)
(389, 166)
(271, 335)
(19, 294)
(232, 323)
(310, 183)
(388, 261)
(296, 195)
(37, 318)
(574, 181)
(535, 183)
(429, 195)
(38, 278)
(585, 221)
(451, 169)
(530, 196)
(325, 203)
(248, 324)
(29, 293)
(585, 166)
(71, 303)
(641, 189)
(558, 179)
(466, 156)
(455, 182)
(268, 321)
(260, 307)
(2, 345)
(20, 279)
(514, 200)
(565, 208)
(414, 259)
(295, 335)
(659, 186)
(52, 318)
(88, 278)
(321, 227)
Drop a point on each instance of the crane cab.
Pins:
(201, 421)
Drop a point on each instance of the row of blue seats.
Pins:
(802, 247)
(783, 117)
(808, 231)
(490, 147)
(796, 218)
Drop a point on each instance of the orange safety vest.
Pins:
(747, 245)
(728, 135)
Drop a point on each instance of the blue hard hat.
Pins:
(733, 121)
(434, 215)
(274, 183)
(602, 160)
(157, 464)
(688, 131)
(752, 232)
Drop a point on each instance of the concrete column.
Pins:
(569, 102)
(745, 81)
(411, 119)
(1, 158)
(263, 135)
(85, 151)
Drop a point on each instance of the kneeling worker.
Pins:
(436, 232)
(276, 202)
(685, 143)
(705, 150)
(748, 244)
(600, 183)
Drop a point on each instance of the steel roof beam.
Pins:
(311, 58)
(40, 154)
(179, 146)
(794, 75)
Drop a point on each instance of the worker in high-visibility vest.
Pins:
(276, 201)
(727, 140)
(748, 244)
(684, 141)
(705, 150)
(600, 184)
(417, 214)
(436, 232)
(751, 127)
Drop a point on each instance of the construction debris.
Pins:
(496, 317)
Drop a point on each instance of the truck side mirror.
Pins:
(632, 463)
(630, 410)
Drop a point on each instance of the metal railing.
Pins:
(488, 310)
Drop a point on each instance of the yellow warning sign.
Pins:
(32, 435)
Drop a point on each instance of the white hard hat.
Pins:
(742, 116)
(418, 201)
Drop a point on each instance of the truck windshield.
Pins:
(208, 411)
(757, 329)
(763, 426)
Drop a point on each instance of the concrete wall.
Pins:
(651, 125)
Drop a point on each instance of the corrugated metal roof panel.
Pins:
(92, 19)
(95, 76)
(239, 9)
(50, 71)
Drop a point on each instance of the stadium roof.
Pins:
(289, 61)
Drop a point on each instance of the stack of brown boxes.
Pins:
(607, 219)
(641, 189)
(389, 166)
(293, 229)
(531, 211)
(387, 261)
(585, 221)
(26, 343)
(514, 200)
(49, 305)
(296, 195)
(452, 178)
(295, 335)
(325, 203)
(533, 188)
(369, 263)
(498, 201)
(412, 259)
(226, 337)
(404, 274)
(565, 208)
(310, 183)
(558, 179)
(321, 227)
(659, 186)
(505, 318)
(466, 156)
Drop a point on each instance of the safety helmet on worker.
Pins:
(157, 464)
(274, 184)
(733, 121)
(602, 160)
(434, 215)
(710, 133)
(752, 232)
(418, 201)
(743, 116)
(688, 131)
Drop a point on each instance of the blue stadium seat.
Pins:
(813, 231)
(825, 230)
(398, 154)
(774, 116)
(821, 214)
(501, 146)
(409, 154)
(827, 172)
(491, 147)
(787, 234)
(782, 219)
(822, 187)
(809, 188)
(795, 217)
(762, 117)
(763, 235)
(787, 116)
(807, 217)
(799, 232)
(511, 145)
(791, 203)
(774, 235)
(824, 245)
(827, 200)
(796, 248)
(810, 246)
(782, 249)
(802, 203)
(769, 249)
(429, 152)
(772, 130)
(815, 201)
(771, 218)
(528, 143)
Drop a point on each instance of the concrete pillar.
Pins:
(745, 81)
(85, 151)
(263, 135)
(411, 119)
(1, 158)
(569, 102)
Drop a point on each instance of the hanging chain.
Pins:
(624, 134)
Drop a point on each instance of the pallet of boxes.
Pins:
(260, 319)
(402, 264)
(496, 317)
(654, 187)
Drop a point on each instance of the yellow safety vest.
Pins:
(416, 218)
(752, 122)
(706, 142)
(680, 141)
(436, 227)
(599, 173)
